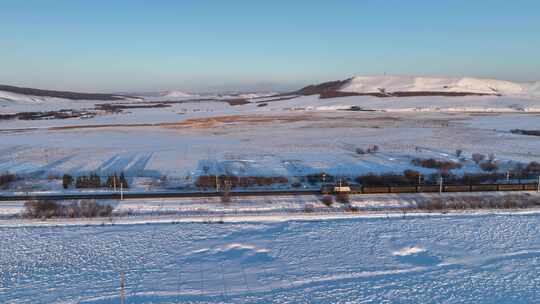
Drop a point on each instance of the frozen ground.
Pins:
(287, 144)
(439, 259)
(213, 209)
(269, 251)
(292, 137)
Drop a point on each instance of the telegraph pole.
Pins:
(440, 185)
(122, 288)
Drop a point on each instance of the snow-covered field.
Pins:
(271, 250)
(280, 144)
(438, 259)
(290, 138)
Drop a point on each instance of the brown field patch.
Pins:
(322, 119)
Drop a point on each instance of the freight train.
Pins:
(358, 189)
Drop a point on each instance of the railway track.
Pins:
(323, 190)
(138, 195)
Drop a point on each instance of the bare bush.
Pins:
(412, 175)
(67, 180)
(226, 197)
(491, 157)
(434, 204)
(116, 181)
(50, 209)
(489, 166)
(360, 151)
(309, 208)
(320, 178)
(343, 197)
(478, 202)
(369, 150)
(7, 178)
(350, 208)
(526, 132)
(88, 181)
(533, 167)
(432, 163)
(213, 181)
(328, 200)
(477, 157)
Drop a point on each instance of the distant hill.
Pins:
(407, 86)
(57, 94)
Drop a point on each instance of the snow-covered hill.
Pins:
(175, 94)
(9, 96)
(389, 84)
(399, 86)
(13, 93)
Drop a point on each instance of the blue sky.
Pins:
(202, 45)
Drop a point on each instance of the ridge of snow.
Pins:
(175, 94)
(9, 96)
(389, 84)
(534, 89)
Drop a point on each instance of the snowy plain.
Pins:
(270, 250)
(437, 259)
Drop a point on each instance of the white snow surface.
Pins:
(438, 259)
(293, 137)
(377, 84)
(176, 94)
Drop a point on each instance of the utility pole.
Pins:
(538, 185)
(122, 288)
(121, 191)
(114, 182)
(508, 176)
(419, 178)
(440, 185)
(217, 184)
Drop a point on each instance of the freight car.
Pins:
(381, 189)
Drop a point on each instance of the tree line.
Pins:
(94, 181)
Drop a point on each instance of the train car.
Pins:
(484, 187)
(425, 188)
(510, 187)
(403, 189)
(333, 189)
(375, 189)
(530, 187)
(342, 189)
(457, 188)
(327, 189)
(356, 189)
